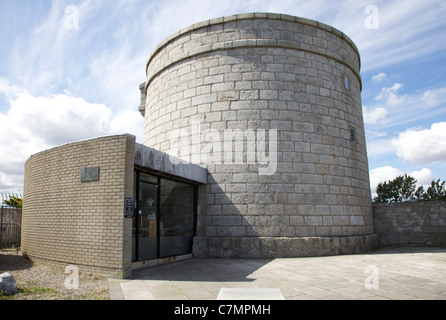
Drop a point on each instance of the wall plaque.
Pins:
(89, 174)
(128, 210)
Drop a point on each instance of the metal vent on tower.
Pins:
(352, 134)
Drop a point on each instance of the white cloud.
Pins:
(424, 176)
(121, 35)
(379, 77)
(8, 90)
(433, 97)
(33, 124)
(382, 174)
(127, 121)
(407, 30)
(394, 109)
(103, 61)
(391, 95)
(374, 116)
(11, 183)
(59, 118)
(379, 148)
(422, 146)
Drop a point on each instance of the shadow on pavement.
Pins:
(202, 269)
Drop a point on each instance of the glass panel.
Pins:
(135, 218)
(147, 178)
(147, 212)
(176, 218)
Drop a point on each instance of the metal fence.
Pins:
(10, 220)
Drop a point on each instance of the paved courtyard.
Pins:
(388, 274)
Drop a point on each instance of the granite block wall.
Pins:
(419, 223)
(271, 105)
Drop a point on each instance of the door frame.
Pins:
(137, 181)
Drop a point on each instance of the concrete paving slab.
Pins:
(409, 273)
(250, 294)
(199, 294)
(115, 290)
(138, 295)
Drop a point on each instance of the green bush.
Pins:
(14, 202)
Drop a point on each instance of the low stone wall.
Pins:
(419, 223)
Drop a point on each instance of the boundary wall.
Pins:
(418, 223)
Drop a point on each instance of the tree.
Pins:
(436, 191)
(400, 189)
(419, 194)
(14, 202)
(403, 188)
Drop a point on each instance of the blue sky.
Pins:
(70, 70)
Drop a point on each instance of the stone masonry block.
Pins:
(269, 71)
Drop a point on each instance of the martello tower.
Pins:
(270, 104)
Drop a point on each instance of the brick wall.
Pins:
(68, 222)
(419, 223)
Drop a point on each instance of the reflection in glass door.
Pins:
(146, 221)
(164, 221)
(176, 218)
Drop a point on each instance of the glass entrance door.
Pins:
(146, 224)
(176, 218)
(164, 220)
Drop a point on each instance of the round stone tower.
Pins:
(270, 104)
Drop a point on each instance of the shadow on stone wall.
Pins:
(228, 230)
(415, 223)
(408, 249)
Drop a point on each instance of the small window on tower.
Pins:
(347, 83)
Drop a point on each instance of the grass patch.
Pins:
(34, 290)
(29, 291)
